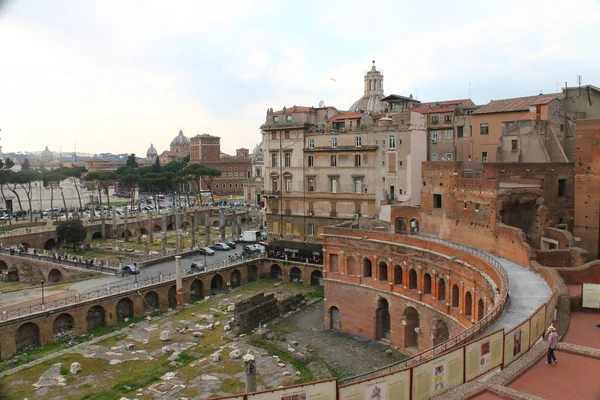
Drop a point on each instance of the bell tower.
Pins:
(373, 82)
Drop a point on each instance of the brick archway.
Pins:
(411, 323)
(383, 320)
(295, 274)
(124, 309)
(197, 290)
(275, 272)
(235, 279)
(55, 276)
(151, 301)
(63, 323)
(441, 333)
(172, 296)
(95, 317)
(27, 336)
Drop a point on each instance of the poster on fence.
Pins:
(551, 310)
(239, 397)
(394, 386)
(537, 326)
(590, 295)
(483, 355)
(324, 390)
(438, 375)
(516, 343)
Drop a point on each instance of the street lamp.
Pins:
(42, 283)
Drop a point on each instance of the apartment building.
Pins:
(254, 186)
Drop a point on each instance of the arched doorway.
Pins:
(383, 320)
(316, 278)
(468, 303)
(351, 266)
(455, 296)
(3, 266)
(412, 279)
(383, 271)
(216, 284)
(411, 323)
(252, 273)
(62, 323)
(97, 235)
(124, 309)
(480, 309)
(197, 290)
(13, 274)
(295, 274)
(55, 276)
(27, 336)
(275, 273)
(414, 226)
(49, 244)
(367, 268)
(426, 284)
(400, 225)
(157, 229)
(235, 279)
(334, 319)
(95, 317)
(440, 332)
(172, 297)
(151, 302)
(143, 231)
(127, 232)
(170, 227)
(441, 295)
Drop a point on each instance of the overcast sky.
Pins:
(115, 76)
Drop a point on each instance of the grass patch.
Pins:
(232, 386)
(144, 379)
(318, 292)
(305, 375)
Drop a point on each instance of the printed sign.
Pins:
(395, 386)
(590, 295)
(484, 355)
(437, 376)
(516, 343)
(314, 391)
(538, 326)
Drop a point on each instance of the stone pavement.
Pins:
(347, 355)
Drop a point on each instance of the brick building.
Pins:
(587, 185)
(235, 170)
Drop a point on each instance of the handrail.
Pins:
(112, 290)
(456, 340)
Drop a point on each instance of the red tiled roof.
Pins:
(516, 104)
(453, 102)
(345, 116)
(441, 110)
(294, 109)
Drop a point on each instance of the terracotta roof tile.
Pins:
(295, 109)
(516, 104)
(345, 116)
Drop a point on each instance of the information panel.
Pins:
(484, 355)
(550, 310)
(516, 343)
(537, 325)
(325, 390)
(394, 386)
(590, 295)
(437, 376)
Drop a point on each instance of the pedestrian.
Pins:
(552, 343)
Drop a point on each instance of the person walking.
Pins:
(552, 343)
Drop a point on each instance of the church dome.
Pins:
(258, 150)
(373, 93)
(180, 140)
(151, 153)
(47, 154)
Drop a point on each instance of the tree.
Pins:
(105, 180)
(156, 166)
(6, 164)
(202, 175)
(131, 161)
(70, 233)
(74, 175)
(25, 164)
(26, 178)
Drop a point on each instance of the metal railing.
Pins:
(116, 289)
(62, 262)
(462, 337)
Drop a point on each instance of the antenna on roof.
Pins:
(321, 103)
(579, 79)
(469, 90)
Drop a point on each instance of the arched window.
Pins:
(397, 275)
(455, 296)
(468, 303)
(383, 271)
(412, 279)
(441, 290)
(427, 284)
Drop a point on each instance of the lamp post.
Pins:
(42, 283)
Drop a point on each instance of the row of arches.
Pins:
(426, 287)
(12, 273)
(295, 275)
(401, 227)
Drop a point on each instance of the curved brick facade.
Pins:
(392, 287)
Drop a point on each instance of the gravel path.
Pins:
(345, 354)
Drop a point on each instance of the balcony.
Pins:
(271, 193)
(329, 149)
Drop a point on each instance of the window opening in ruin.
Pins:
(562, 188)
(437, 201)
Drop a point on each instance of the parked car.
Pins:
(231, 245)
(220, 247)
(197, 267)
(252, 249)
(206, 250)
(131, 270)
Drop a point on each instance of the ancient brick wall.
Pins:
(587, 185)
(252, 312)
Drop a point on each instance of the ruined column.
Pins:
(207, 228)
(178, 221)
(151, 227)
(126, 225)
(163, 243)
(102, 226)
(178, 281)
(163, 216)
(250, 369)
(139, 227)
(194, 215)
(222, 224)
(114, 225)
